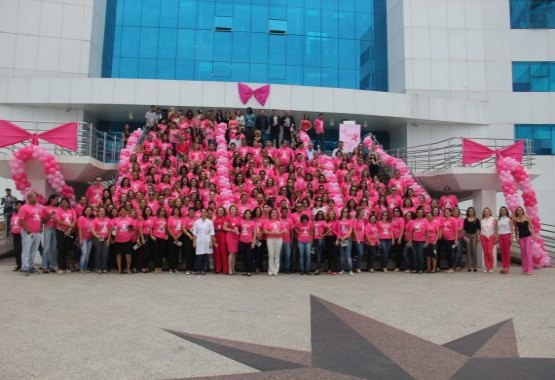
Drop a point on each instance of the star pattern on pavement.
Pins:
(348, 345)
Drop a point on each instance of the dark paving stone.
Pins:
(507, 369)
(470, 344)
(501, 345)
(298, 374)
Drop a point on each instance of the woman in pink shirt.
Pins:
(231, 228)
(433, 237)
(459, 239)
(397, 246)
(274, 229)
(247, 239)
(344, 228)
(85, 236)
(385, 232)
(101, 227)
(359, 223)
(15, 235)
(419, 239)
(147, 248)
(408, 254)
(65, 222)
(175, 241)
(305, 234)
(159, 236)
(321, 230)
(448, 238)
(372, 241)
(122, 235)
(49, 252)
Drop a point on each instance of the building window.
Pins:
(532, 14)
(541, 135)
(277, 26)
(223, 24)
(534, 76)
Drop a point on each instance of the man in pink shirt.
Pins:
(319, 130)
(31, 231)
(94, 192)
(448, 200)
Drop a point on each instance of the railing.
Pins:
(448, 153)
(102, 146)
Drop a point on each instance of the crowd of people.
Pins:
(166, 212)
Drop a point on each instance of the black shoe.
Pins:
(202, 273)
(16, 269)
(308, 273)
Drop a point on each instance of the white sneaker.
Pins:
(342, 272)
(351, 273)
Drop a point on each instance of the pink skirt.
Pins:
(232, 241)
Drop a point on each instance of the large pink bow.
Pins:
(261, 94)
(474, 152)
(65, 135)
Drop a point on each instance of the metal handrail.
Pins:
(447, 153)
(102, 146)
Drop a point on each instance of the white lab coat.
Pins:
(203, 231)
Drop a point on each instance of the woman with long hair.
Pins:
(65, 223)
(85, 236)
(122, 235)
(274, 229)
(305, 235)
(231, 228)
(459, 222)
(419, 239)
(372, 241)
(175, 241)
(101, 233)
(398, 245)
(49, 252)
(471, 228)
(203, 240)
(448, 238)
(432, 248)
(525, 235)
(247, 240)
(221, 263)
(147, 249)
(321, 230)
(386, 237)
(503, 233)
(488, 226)
(359, 223)
(344, 241)
(159, 235)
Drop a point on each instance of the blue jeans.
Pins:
(359, 248)
(459, 253)
(319, 248)
(49, 253)
(385, 246)
(285, 257)
(346, 255)
(304, 256)
(408, 254)
(101, 254)
(418, 253)
(86, 246)
(372, 250)
(29, 248)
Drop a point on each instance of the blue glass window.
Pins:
(542, 136)
(326, 43)
(534, 76)
(532, 14)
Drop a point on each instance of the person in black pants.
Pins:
(15, 234)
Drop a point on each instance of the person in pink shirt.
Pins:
(94, 192)
(434, 228)
(286, 240)
(175, 241)
(65, 223)
(344, 228)
(147, 245)
(85, 236)
(408, 254)
(15, 235)
(101, 227)
(319, 130)
(247, 239)
(31, 230)
(385, 232)
(274, 229)
(304, 230)
(122, 235)
(231, 228)
(397, 245)
(448, 238)
(188, 248)
(372, 241)
(159, 235)
(49, 248)
(459, 239)
(448, 200)
(396, 183)
(419, 239)
(359, 223)
(321, 230)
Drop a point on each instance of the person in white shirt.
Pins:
(151, 118)
(310, 152)
(339, 148)
(203, 240)
(503, 235)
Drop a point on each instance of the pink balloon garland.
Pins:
(222, 167)
(512, 175)
(124, 167)
(398, 164)
(50, 166)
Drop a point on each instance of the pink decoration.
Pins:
(261, 94)
(512, 175)
(64, 135)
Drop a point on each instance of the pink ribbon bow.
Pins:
(261, 94)
(65, 135)
(474, 152)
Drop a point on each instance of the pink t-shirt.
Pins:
(397, 225)
(408, 229)
(85, 227)
(275, 226)
(175, 225)
(371, 233)
(246, 230)
(65, 216)
(159, 228)
(49, 214)
(305, 232)
(31, 214)
(15, 227)
(102, 227)
(449, 229)
(124, 229)
(320, 227)
(432, 231)
(419, 229)
(319, 126)
(147, 225)
(448, 201)
(384, 230)
(94, 194)
(288, 224)
(343, 228)
(358, 229)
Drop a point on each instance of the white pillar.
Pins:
(39, 182)
(482, 199)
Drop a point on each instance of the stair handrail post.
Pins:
(114, 149)
(90, 138)
(104, 149)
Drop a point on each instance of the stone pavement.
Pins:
(109, 326)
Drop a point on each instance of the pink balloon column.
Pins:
(222, 167)
(305, 139)
(51, 169)
(512, 175)
(398, 164)
(124, 166)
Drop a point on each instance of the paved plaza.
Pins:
(115, 326)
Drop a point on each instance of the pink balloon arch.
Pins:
(124, 167)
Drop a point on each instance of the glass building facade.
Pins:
(534, 76)
(542, 136)
(328, 43)
(532, 14)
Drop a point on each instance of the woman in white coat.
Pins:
(203, 240)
